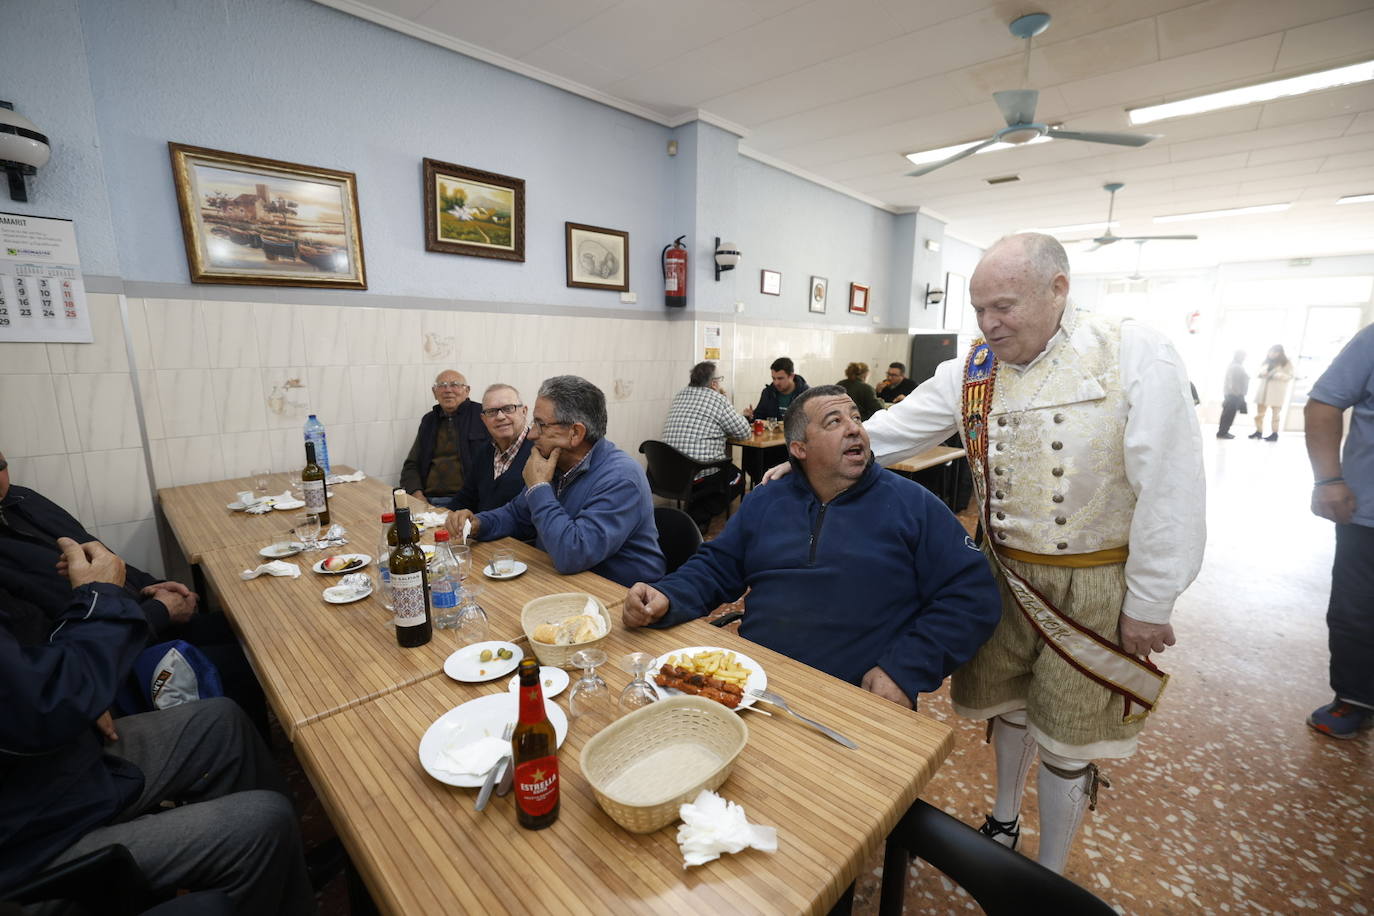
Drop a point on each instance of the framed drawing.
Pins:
(858, 299)
(475, 213)
(816, 294)
(262, 222)
(957, 315)
(770, 283)
(597, 258)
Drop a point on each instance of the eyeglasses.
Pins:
(540, 425)
(507, 409)
(442, 385)
(717, 378)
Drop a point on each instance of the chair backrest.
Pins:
(1005, 883)
(678, 535)
(670, 472)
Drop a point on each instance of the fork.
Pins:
(769, 697)
(485, 795)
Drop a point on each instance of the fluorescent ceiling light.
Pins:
(1248, 95)
(1216, 214)
(1357, 199)
(944, 152)
(1076, 227)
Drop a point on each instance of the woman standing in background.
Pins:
(855, 384)
(1274, 381)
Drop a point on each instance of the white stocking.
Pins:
(1015, 750)
(1066, 788)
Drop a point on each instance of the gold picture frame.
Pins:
(474, 213)
(263, 222)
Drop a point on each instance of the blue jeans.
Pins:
(443, 502)
(1350, 615)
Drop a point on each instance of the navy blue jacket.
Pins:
(472, 435)
(602, 520)
(767, 407)
(56, 783)
(881, 575)
(483, 491)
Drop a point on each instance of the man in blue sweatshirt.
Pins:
(853, 570)
(586, 503)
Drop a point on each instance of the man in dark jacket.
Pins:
(495, 477)
(446, 445)
(65, 791)
(777, 396)
(804, 545)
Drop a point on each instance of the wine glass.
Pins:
(261, 478)
(308, 529)
(469, 620)
(640, 692)
(590, 698)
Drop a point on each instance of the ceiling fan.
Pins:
(1018, 108)
(1108, 238)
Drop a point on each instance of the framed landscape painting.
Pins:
(263, 222)
(816, 294)
(598, 258)
(475, 213)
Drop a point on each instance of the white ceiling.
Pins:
(839, 90)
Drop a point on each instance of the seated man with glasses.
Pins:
(446, 446)
(495, 476)
(586, 503)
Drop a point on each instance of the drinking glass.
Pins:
(308, 529)
(462, 556)
(261, 478)
(590, 699)
(469, 620)
(503, 562)
(640, 692)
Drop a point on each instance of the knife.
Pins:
(507, 780)
(485, 794)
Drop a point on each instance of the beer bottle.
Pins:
(409, 586)
(534, 753)
(312, 484)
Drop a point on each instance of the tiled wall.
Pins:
(226, 387)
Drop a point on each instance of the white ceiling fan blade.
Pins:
(1103, 136)
(1151, 238)
(1102, 240)
(1018, 105)
(962, 154)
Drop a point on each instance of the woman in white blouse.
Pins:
(1275, 379)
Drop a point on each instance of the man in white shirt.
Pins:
(1087, 461)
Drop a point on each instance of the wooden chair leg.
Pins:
(896, 859)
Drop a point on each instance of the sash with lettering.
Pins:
(1137, 680)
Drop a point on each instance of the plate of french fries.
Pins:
(717, 667)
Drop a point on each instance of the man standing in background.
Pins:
(1233, 400)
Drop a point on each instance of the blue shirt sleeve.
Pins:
(1345, 381)
(599, 530)
(511, 520)
(711, 577)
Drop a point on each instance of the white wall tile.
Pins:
(239, 400)
(176, 334)
(106, 352)
(279, 338)
(343, 444)
(374, 450)
(195, 459)
(136, 543)
(29, 420)
(331, 393)
(50, 475)
(323, 335)
(152, 404)
(138, 332)
(371, 387)
(162, 464)
(245, 452)
(410, 391)
(285, 397)
(24, 359)
(287, 447)
(187, 397)
(438, 339)
(231, 335)
(118, 481)
(403, 338)
(365, 331)
(85, 507)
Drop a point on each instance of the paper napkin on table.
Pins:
(429, 519)
(275, 568)
(347, 478)
(711, 825)
(473, 759)
(593, 610)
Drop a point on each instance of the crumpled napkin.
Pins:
(592, 610)
(275, 568)
(711, 825)
(429, 519)
(347, 478)
(473, 759)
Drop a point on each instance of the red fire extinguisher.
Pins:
(675, 274)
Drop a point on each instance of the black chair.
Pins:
(672, 473)
(1003, 882)
(106, 881)
(678, 536)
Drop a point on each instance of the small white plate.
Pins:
(340, 594)
(757, 679)
(552, 681)
(319, 567)
(466, 664)
(237, 506)
(288, 504)
(281, 549)
(518, 571)
(474, 720)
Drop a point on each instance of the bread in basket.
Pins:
(555, 609)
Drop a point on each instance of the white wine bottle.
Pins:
(312, 483)
(409, 582)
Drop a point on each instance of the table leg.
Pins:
(845, 905)
(896, 859)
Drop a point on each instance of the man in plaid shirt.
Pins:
(699, 421)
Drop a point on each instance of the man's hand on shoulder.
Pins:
(775, 472)
(539, 469)
(1140, 638)
(644, 604)
(83, 564)
(878, 683)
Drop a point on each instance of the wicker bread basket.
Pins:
(644, 766)
(551, 608)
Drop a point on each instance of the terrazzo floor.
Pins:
(1232, 804)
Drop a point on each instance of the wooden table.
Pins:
(754, 463)
(421, 848)
(940, 455)
(315, 659)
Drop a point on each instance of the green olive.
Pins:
(503, 653)
(485, 656)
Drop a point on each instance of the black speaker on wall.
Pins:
(928, 351)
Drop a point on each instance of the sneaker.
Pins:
(1255, 435)
(996, 830)
(1225, 436)
(1272, 437)
(1339, 719)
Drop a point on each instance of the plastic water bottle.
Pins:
(314, 432)
(388, 541)
(444, 582)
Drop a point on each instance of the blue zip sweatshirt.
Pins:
(599, 517)
(881, 575)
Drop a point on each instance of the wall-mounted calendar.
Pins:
(42, 297)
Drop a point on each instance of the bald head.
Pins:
(450, 389)
(1018, 292)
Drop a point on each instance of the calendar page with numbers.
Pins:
(42, 297)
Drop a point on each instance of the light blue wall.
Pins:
(927, 269)
(43, 72)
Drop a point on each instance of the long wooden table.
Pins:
(315, 659)
(421, 848)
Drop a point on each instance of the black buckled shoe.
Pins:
(993, 828)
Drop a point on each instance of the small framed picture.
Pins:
(480, 214)
(598, 258)
(858, 299)
(770, 283)
(816, 294)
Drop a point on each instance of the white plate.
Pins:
(491, 574)
(281, 549)
(552, 681)
(237, 506)
(757, 679)
(288, 504)
(319, 567)
(341, 595)
(466, 664)
(472, 721)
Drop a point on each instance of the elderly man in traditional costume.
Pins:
(1087, 462)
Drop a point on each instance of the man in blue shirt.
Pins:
(586, 503)
(850, 569)
(1344, 493)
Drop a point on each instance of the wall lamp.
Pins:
(727, 256)
(23, 149)
(934, 295)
